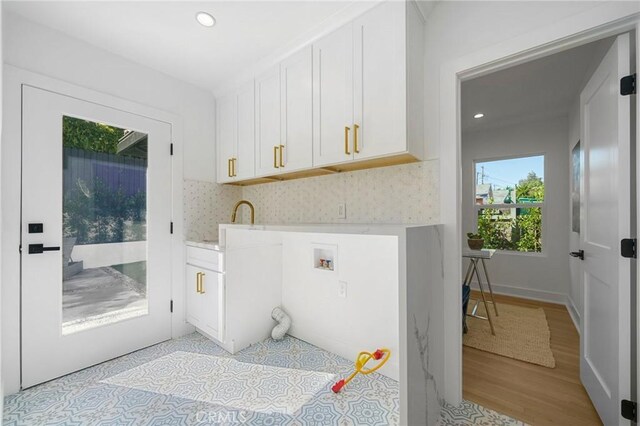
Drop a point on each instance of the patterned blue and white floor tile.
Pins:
(115, 392)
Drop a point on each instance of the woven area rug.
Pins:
(521, 333)
(471, 414)
(227, 382)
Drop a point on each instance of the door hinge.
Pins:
(629, 410)
(171, 149)
(628, 247)
(171, 228)
(628, 85)
(171, 306)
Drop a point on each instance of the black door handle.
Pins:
(40, 248)
(579, 254)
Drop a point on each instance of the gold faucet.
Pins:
(235, 211)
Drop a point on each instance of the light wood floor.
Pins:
(531, 393)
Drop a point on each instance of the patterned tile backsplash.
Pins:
(206, 205)
(398, 194)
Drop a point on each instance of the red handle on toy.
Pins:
(338, 386)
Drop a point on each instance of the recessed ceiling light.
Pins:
(205, 19)
(478, 115)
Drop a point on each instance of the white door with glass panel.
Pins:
(96, 211)
(605, 335)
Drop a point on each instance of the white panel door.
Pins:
(226, 123)
(333, 97)
(380, 82)
(96, 275)
(605, 327)
(297, 110)
(268, 141)
(244, 162)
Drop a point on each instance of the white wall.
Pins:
(54, 54)
(545, 275)
(40, 50)
(368, 316)
(455, 29)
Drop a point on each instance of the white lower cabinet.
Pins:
(205, 294)
(230, 300)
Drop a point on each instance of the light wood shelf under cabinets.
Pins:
(329, 170)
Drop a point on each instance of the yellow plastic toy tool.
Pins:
(381, 355)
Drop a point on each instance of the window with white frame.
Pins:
(509, 203)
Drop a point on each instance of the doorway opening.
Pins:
(530, 198)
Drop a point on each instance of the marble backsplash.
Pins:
(397, 194)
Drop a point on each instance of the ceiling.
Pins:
(164, 35)
(542, 88)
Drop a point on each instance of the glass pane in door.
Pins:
(104, 256)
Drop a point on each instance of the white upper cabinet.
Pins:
(296, 75)
(244, 164)
(226, 141)
(333, 97)
(269, 158)
(235, 122)
(352, 99)
(379, 83)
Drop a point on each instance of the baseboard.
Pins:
(526, 293)
(573, 313)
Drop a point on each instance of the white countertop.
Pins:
(330, 228)
(320, 228)
(205, 244)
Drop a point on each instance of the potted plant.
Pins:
(475, 241)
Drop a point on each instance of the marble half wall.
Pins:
(424, 325)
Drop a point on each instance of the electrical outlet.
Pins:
(342, 289)
(342, 211)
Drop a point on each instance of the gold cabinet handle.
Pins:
(355, 139)
(346, 140)
(233, 167)
(229, 167)
(275, 157)
(198, 282)
(281, 155)
(201, 282)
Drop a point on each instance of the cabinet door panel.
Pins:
(226, 122)
(194, 301)
(297, 110)
(211, 299)
(268, 122)
(333, 96)
(380, 81)
(245, 158)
